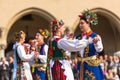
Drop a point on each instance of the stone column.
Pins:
(2, 41)
(2, 49)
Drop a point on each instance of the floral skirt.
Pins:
(60, 70)
(23, 72)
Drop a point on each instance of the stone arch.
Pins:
(35, 11)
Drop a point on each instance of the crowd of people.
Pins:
(110, 66)
(6, 68)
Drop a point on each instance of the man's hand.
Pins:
(70, 35)
(96, 39)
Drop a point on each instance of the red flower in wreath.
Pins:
(81, 16)
(54, 21)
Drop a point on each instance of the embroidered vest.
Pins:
(90, 52)
(41, 51)
(58, 53)
(90, 47)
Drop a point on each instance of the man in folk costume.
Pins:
(42, 49)
(60, 68)
(21, 59)
(88, 62)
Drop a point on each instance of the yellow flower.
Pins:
(22, 35)
(43, 33)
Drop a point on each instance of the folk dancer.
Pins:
(88, 63)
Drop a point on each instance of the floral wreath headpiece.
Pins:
(44, 32)
(90, 17)
(58, 23)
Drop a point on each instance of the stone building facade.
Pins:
(30, 15)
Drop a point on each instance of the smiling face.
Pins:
(84, 26)
(39, 37)
(22, 39)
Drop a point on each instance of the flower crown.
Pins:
(44, 32)
(90, 17)
(59, 23)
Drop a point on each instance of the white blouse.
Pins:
(72, 45)
(99, 45)
(22, 54)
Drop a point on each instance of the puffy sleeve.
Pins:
(43, 58)
(22, 54)
(99, 45)
(72, 45)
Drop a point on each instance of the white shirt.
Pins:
(22, 54)
(98, 46)
(71, 45)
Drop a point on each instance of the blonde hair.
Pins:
(19, 35)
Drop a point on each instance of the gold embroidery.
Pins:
(90, 75)
(77, 53)
(79, 38)
(41, 67)
(91, 61)
(86, 51)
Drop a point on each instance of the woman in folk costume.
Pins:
(21, 59)
(42, 49)
(60, 68)
(88, 62)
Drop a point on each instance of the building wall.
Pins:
(67, 10)
(61, 9)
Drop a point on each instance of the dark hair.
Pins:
(55, 25)
(55, 29)
(85, 21)
(83, 18)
